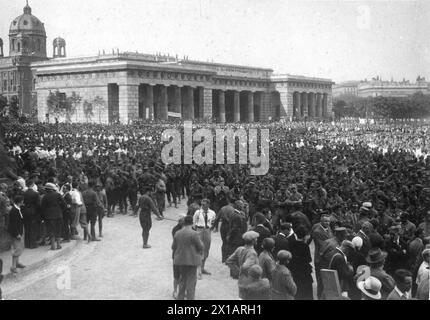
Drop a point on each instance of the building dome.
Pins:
(27, 23)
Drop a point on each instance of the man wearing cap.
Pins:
(204, 219)
(52, 207)
(225, 215)
(364, 232)
(160, 194)
(31, 215)
(266, 259)
(263, 232)
(187, 256)
(243, 258)
(256, 287)
(146, 206)
(283, 285)
(376, 260)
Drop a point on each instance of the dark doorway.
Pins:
(113, 102)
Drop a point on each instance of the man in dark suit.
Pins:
(261, 230)
(281, 241)
(320, 233)
(339, 262)
(187, 255)
(16, 231)
(31, 216)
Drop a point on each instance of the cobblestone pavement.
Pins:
(118, 268)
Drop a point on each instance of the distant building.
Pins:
(111, 87)
(377, 87)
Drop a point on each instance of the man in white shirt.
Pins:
(204, 219)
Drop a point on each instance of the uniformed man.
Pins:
(146, 206)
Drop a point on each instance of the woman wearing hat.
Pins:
(423, 270)
(370, 289)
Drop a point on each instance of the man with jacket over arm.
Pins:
(187, 255)
(92, 204)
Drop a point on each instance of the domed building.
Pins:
(27, 35)
(27, 45)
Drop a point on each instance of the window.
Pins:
(13, 44)
(19, 47)
(38, 44)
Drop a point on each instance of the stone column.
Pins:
(178, 100)
(236, 106)
(201, 102)
(207, 103)
(324, 105)
(319, 105)
(311, 98)
(189, 100)
(128, 103)
(149, 101)
(221, 98)
(305, 104)
(299, 105)
(163, 109)
(250, 107)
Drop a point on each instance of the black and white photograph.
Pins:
(234, 150)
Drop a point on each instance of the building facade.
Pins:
(124, 87)
(377, 87)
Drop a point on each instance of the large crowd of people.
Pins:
(359, 193)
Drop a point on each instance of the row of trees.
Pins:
(416, 106)
(61, 105)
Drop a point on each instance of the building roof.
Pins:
(27, 23)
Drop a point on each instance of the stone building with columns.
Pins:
(130, 86)
(123, 87)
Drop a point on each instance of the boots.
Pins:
(13, 269)
(53, 244)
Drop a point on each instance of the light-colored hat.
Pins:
(50, 186)
(357, 242)
(371, 287)
(426, 250)
(367, 205)
(250, 235)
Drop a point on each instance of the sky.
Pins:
(340, 40)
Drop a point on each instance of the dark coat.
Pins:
(187, 248)
(319, 235)
(53, 205)
(344, 272)
(16, 223)
(256, 290)
(31, 204)
(264, 233)
(281, 243)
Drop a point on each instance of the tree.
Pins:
(339, 108)
(72, 103)
(100, 104)
(53, 104)
(88, 110)
(14, 107)
(3, 103)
